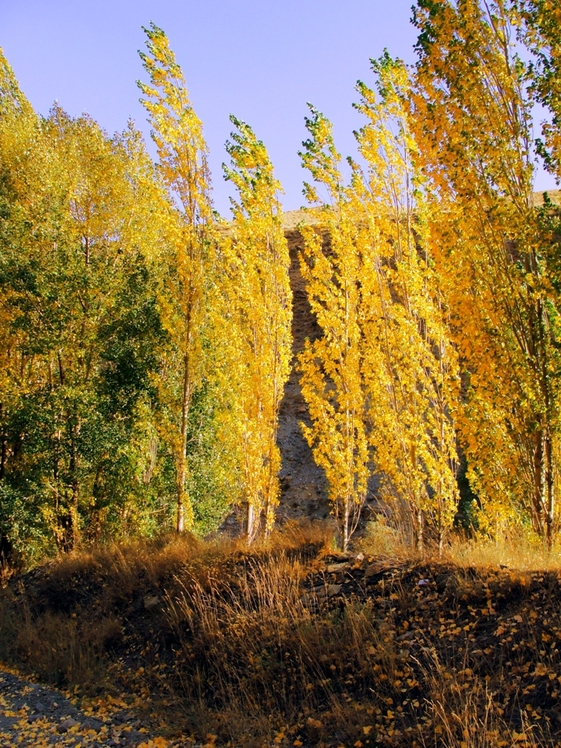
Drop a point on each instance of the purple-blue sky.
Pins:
(261, 60)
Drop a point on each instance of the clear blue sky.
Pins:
(261, 60)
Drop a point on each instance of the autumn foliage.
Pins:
(146, 343)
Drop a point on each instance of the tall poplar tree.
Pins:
(258, 314)
(381, 382)
(182, 153)
(332, 380)
(410, 365)
(471, 117)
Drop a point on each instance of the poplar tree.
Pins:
(81, 326)
(382, 380)
(258, 312)
(410, 365)
(332, 380)
(182, 153)
(471, 118)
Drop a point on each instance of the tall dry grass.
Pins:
(252, 646)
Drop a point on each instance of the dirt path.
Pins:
(34, 716)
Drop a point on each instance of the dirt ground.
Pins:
(32, 715)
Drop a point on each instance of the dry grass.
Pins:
(510, 551)
(291, 644)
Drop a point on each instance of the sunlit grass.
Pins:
(291, 643)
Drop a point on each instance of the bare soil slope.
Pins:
(303, 484)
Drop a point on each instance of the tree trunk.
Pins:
(184, 507)
(75, 490)
(419, 532)
(539, 500)
(346, 516)
(550, 490)
(4, 445)
(250, 523)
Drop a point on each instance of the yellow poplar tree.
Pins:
(332, 367)
(410, 366)
(258, 316)
(182, 152)
(382, 381)
(471, 118)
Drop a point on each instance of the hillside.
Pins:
(290, 645)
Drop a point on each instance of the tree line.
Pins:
(145, 342)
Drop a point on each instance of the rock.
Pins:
(333, 589)
(67, 724)
(151, 602)
(92, 724)
(123, 716)
(334, 568)
(404, 637)
(320, 594)
(371, 571)
(133, 738)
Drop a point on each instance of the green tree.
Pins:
(540, 32)
(82, 325)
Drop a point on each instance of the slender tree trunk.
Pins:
(440, 528)
(550, 489)
(250, 522)
(346, 517)
(75, 489)
(419, 531)
(3, 448)
(60, 368)
(183, 503)
(539, 501)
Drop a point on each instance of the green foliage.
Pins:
(85, 342)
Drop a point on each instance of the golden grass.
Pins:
(516, 551)
(249, 645)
